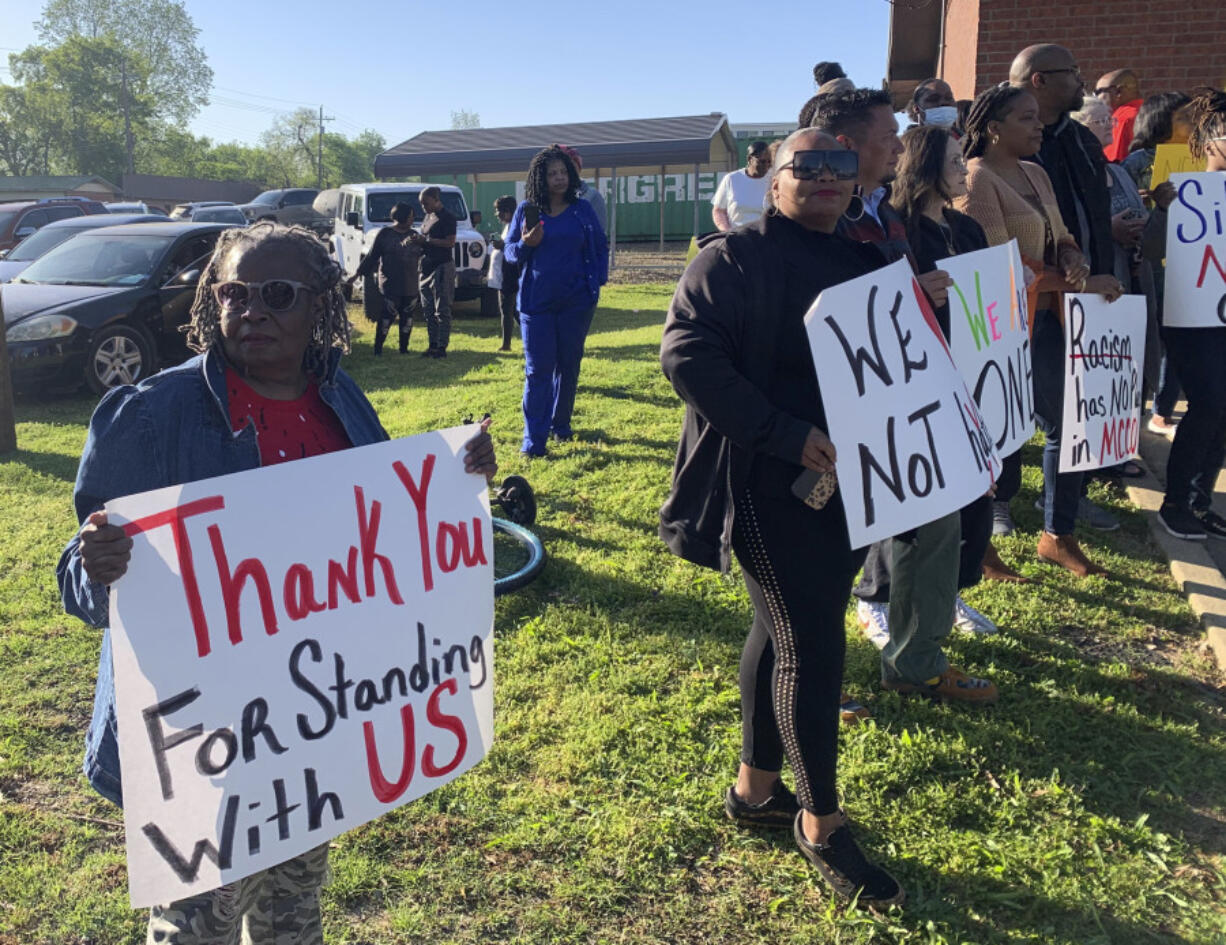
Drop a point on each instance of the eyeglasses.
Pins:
(958, 161)
(811, 165)
(1107, 90)
(277, 295)
(1073, 69)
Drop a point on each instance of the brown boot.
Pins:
(994, 569)
(1064, 551)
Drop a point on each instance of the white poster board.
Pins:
(298, 649)
(911, 444)
(1196, 252)
(1104, 352)
(989, 334)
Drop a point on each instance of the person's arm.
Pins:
(371, 261)
(719, 204)
(447, 240)
(982, 204)
(121, 457)
(698, 353)
(514, 249)
(1153, 237)
(600, 244)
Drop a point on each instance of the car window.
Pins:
(192, 269)
(99, 257)
(34, 218)
(357, 207)
(297, 198)
(43, 241)
(63, 213)
(269, 197)
(193, 249)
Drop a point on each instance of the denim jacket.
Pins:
(171, 428)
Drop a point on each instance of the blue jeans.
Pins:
(1061, 491)
(553, 350)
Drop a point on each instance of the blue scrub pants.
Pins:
(553, 350)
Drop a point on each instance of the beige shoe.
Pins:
(1064, 551)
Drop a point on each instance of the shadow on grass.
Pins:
(56, 465)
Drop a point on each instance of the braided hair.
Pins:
(1207, 115)
(537, 188)
(990, 105)
(331, 330)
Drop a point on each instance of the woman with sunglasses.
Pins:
(931, 175)
(1013, 199)
(736, 351)
(270, 324)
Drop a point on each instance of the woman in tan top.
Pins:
(1013, 199)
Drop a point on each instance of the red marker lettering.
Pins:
(418, 495)
(387, 791)
(450, 723)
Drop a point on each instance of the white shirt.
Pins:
(742, 196)
(495, 278)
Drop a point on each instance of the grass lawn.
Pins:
(1088, 807)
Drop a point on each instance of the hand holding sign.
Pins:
(105, 549)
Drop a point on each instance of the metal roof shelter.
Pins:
(644, 143)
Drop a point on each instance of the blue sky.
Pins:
(512, 63)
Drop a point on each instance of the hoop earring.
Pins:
(858, 202)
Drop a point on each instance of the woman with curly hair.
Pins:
(1199, 446)
(557, 241)
(269, 326)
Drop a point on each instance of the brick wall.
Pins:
(1172, 44)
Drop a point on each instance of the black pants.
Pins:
(399, 309)
(510, 314)
(798, 568)
(1199, 356)
(1009, 483)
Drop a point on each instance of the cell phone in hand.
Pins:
(815, 488)
(532, 216)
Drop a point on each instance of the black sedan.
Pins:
(105, 307)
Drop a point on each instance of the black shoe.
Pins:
(440, 352)
(429, 352)
(778, 810)
(1212, 523)
(844, 867)
(1180, 522)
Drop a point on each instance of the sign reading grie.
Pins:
(298, 650)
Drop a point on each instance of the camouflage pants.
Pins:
(277, 906)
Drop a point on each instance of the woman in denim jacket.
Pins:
(270, 325)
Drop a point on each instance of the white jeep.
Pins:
(361, 210)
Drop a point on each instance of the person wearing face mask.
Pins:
(740, 196)
(735, 350)
(932, 103)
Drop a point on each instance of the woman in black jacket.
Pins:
(736, 351)
(931, 175)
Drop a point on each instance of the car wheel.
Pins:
(118, 354)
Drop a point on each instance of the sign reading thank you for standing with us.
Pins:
(288, 669)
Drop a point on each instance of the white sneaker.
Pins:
(969, 619)
(874, 622)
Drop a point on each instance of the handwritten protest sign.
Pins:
(1172, 159)
(990, 338)
(298, 650)
(911, 444)
(1104, 347)
(1196, 253)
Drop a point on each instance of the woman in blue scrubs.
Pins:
(563, 262)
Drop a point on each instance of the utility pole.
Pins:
(8, 421)
(319, 159)
(129, 142)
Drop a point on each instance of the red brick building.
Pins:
(1171, 44)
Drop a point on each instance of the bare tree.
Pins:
(465, 119)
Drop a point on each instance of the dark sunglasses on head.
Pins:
(811, 165)
(277, 295)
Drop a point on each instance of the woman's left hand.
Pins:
(1107, 286)
(479, 453)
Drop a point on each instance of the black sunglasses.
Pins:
(811, 165)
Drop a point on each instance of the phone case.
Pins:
(814, 488)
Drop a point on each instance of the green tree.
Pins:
(160, 32)
(26, 137)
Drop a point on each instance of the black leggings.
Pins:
(799, 569)
(397, 309)
(510, 315)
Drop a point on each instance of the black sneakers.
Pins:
(778, 810)
(1213, 524)
(1181, 522)
(845, 868)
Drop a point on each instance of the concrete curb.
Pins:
(1193, 569)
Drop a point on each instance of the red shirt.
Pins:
(285, 429)
(1123, 118)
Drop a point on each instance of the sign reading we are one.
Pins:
(298, 649)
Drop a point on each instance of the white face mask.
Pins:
(943, 116)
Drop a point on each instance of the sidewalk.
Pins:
(1197, 566)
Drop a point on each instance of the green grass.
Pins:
(1088, 807)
